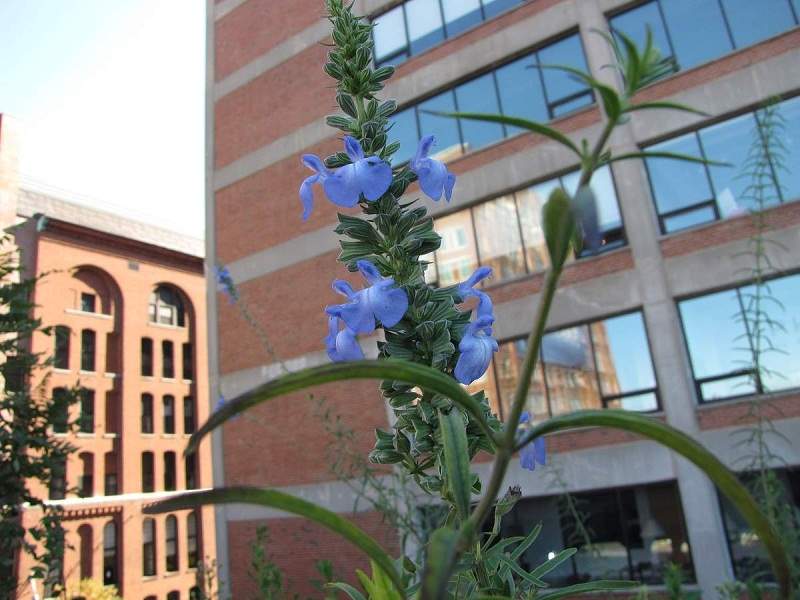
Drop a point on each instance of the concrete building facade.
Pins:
(127, 304)
(647, 324)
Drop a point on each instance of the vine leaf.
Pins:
(456, 460)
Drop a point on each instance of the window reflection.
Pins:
(424, 22)
(479, 96)
(635, 532)
(456, 258)
(508, 361)
(569, 370)
(719, 330)
(499, 240)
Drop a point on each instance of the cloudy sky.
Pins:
(109, 94)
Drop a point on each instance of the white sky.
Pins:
(110, 95)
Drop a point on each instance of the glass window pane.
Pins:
(424, 24)
(486, 384)
(492, 8)
(508, 362)
(456, 258)
(697, 30)
(729, 387)
(634, 24)
(569, 370)
(389, 32)
(715, 334)
(751, 22)
(780, 364)
(478, 95)
(789, 173)
(559, 84)
(622, 353)
(404, 130)
(698, 216)
(731, 142)
(499, 243)
(431, 275)
(602, 185)
(521, 92)
(530, 203)
(448, 142)
(678, 184)
(460, 15)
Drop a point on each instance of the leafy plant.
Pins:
(432, 346)
(92, 589)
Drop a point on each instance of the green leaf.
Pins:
(689, 448)
(533, 126)
(558, 224)
(290, 504)
(661, 104)
(592, 586)
(670, 155)
(612, 103)
(442, 556)
(351, 592)
(529, 539)
(425, 377)
(544, 568)
(534, 581)
(456, 459)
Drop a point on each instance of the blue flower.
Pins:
(476, 349)
(467, 289)
(434, 178)
(225, 283)
(341, 344)
(367, 175)
(535, 451)
(382, 300)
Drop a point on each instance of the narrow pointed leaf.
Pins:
(534, 581)
(592, 586)
(425, 377)
(551, 564)
(456, 460)
(612, 103)
(442, 556)
(533, 126)
(670, 155)
(351, 592)
(692, 450)
(662, 104)
(288, 503)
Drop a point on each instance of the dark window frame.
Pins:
(192, 539)
(189, 414)
(111, 555)
(86, 420)
(61, 350)
(171, 558)
(168, 413)
(146, 357)
(711, 202)
(167, 359)
(149, 548)
(148, 472)
(170, 471)
(88, 300)
(147, 422)
(89, 350)
(737, 372)
(604, 398)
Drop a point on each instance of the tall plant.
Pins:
(29, 453)
(432, 346)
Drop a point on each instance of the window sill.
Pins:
(188, 381)
(148, 435)
(168, 380)
(110, 436)
(112, 375)
(92, 315)
(89, 373)
(150, 578)
(165, 326)
(147, 378)
(84, 435)
(170, 436)
(62, 371)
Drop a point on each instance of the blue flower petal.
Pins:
(434, 178)
(374, 177)
(449, 184)
(476, 349)
(307, 195)
(356, 314)
(341, 345)
(369, 271)
(387, 303)
(535, 451)
(467, 289)
(353, 148)
(343, 187)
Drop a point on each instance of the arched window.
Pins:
(61, 358)
(149, 547)
(147, 413)
(148, 472)
(110, 554)
(88, 350)
(60, 410)
(187, 361)
(87, 411)
(167, 359)
(171, 548)
(173, 595)
(86, 536)
(192, 540)
(86, 483)
(169, 471)
(58, 479)
(194, 593)
(166, 307)
(111, 486)
(189, 418)
(169, 413)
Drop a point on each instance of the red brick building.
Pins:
(128, 306)
(648, 324)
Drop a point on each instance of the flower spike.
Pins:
(434, 178)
